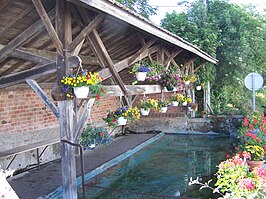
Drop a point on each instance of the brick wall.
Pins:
(22, 110)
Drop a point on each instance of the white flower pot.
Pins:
(141, 76)
(187, 82)
(189, 108)
(121, 121)
(81, 92)
(144, 112)
(163, 109)
(175, 103)
(92, 146)
(198, 88)
(175, 89)
(184, 103)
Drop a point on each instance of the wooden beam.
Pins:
(38, 90)
(200, 66)
(20, 77)
(83, 121)
(16, 19)
(114, 90)
(48, 25)
(22, 37)
(145, 47)
(172, 56)
(187, 63)
(86, 31)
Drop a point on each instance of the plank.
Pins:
(86, 31)
(48, 25)
(21, 38)
(20, 77)
(38, 90)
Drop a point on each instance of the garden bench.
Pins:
(26, 148)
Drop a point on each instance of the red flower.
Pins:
(245, 121)
(101, 134)
(247, 184)
(227, 156)
(262, 128)
(251, 126)
(255, 121)
(98, 97)
(264, 132)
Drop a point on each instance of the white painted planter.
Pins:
(81, 92)
(92, 146)
(198, 88)
(184, 103)
(163, 109)
(175, 103)
(144, 112)
(175, 89)
(189, 108)
(187, 82)
(121, 121)
(141, 76)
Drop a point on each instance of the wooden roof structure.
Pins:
(103, 33)
(39, 39)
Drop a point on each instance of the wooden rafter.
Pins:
(31, 73)
(171, 57)
(21, 38)
(187, 63)
(16, 20)
(48, 25)
(200, 66)
(86, 31)
(145, 47)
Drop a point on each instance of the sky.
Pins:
(170, 5)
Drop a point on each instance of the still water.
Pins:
(165, 166)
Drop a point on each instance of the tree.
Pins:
(141, 7)
(234, 35)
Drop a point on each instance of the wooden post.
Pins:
(67, 108)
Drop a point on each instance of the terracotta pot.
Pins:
(141, 76)
(253, 164)
(81, 92)
(144, 112)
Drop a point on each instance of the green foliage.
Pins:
(141, 7)
(234, 35)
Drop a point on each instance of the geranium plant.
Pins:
(93, 136)
(148, 104)
(253, 131)
(171, 80)
(234, 180)
(89, 79)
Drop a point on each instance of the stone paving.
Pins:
(36, 183)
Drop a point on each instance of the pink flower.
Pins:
(246, 184)
(227, 156)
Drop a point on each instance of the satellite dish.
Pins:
(253, 81)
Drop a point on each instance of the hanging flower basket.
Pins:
(144, 112)
(184, 103)
(81, 92)
(121, 121)
(163, 109)
(198, 88)
(187, 82)
(175, 103)
(141, 76)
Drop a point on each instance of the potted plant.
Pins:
(140, 70)
(162, 106)
(93, 136)
(192, 106)
(234, 180)
(187, 79)
(186, 101)
(171, 80)
(82, 84)
(122, 115)
(256, 155)
(176, 99)
(147, 105)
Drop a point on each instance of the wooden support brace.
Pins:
(83, 119)
(34, 85)
(48, 25)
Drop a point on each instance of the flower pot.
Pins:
(121, 121)
(144, 112)
(184, 103)
(253, 164)
(175, 89)
(141, 76)
(92, 146)
(163, 109)
(187, 82)
(175, 103)
(190, 109)
(198, 88)
(81, 92)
